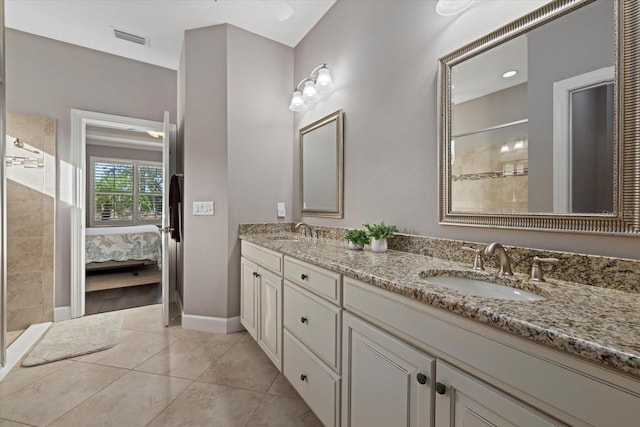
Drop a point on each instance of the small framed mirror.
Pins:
(321, 167)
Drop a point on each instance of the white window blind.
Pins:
(150, 188)
(125, 192)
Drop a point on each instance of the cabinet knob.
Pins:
(304, 320)
(422, 378)
(303, 377)
(441, 388)
(304, 276)
(255, 274)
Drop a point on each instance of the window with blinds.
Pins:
(125, 192)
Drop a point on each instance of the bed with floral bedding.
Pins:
(118, 257)
(122, 244)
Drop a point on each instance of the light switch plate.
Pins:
(281, 210)
(203, 208)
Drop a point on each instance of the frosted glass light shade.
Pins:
(452, 7)
(309, 93)
(324, 82)
(297, 103)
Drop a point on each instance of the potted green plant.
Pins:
(379, 233)
(356, 238)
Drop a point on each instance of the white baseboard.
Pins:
(218, 325)
(61, 313)
(22, 344)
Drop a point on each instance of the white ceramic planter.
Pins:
(378, 245)
(356, 246)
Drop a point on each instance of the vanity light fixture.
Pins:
(452, 7)
(155, 134)
(509, 73)
(519, 144)
(310, 88)
(505, 148)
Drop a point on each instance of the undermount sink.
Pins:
(482, 287)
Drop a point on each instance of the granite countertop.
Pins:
(598, 324)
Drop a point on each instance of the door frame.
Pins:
(562, 163)
(80, 119)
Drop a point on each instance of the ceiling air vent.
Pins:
(130, 37)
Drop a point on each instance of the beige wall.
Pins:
(237, 152)
(553, 57)
(30, 219)
(383, 58)
(260, 144)
(205, 171)
(48, 78)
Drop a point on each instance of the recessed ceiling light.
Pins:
(510, 73)
(452, 7)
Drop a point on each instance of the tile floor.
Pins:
(156, 376)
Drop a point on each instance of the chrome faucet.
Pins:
(503, 257)
(305, 229)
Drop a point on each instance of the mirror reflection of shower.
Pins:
(14, 160)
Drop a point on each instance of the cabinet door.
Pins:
(249, 296)
(270, 316)
(385, 382)
(462, 400)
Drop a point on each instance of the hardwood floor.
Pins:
(122, 298)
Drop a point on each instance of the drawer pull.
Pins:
(303, 377)
(304, 276)
(422, 378)
(441, 388)
(304, 320)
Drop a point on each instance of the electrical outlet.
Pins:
(281, 210)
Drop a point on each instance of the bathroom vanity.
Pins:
(367, 340)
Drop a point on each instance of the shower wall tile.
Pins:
(48, 247)
(24, 254)
(18, 193)
(31, 224)
(26, 219)
(48, 211)
(24, 289)
(22, 318)
(29, 129)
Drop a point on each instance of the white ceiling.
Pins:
(482, 74)
(88, 22)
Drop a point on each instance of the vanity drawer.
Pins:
(265, 257)
(315, 322)
(316, 383)
(322, 282)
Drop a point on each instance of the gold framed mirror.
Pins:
(321, 167)
(522, 154)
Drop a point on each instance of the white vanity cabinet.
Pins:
(261, 299)
(360, 355)
(489, 377)
(249, 293)
(464, 401)
(312, 336)
(385, 382)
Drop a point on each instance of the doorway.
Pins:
(105, 208)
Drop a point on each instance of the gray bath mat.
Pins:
(75, 337)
